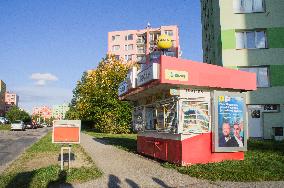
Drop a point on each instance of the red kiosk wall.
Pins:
(198, 149)
(192, 150)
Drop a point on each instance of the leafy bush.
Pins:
(95, 98)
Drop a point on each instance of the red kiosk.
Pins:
(189, 112)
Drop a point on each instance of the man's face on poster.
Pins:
(226, 129)
(237, 130)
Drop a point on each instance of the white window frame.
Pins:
(242, 43)
(115, 37)
(114, 48)
(128, 57)
(169, 31)
(239, 6)
(127, 37)
(258, 79)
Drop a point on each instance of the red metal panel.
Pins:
(145, 145)
(161, 149)
(174, 151)
(198, 150)
(207, 75)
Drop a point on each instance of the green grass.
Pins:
(123, 141)
(264, 160)
(17, 176)
(5, 127)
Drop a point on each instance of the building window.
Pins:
(278, 131)
(128, 47)
(128, 57)
(115, 37)
(115, 48)
(117, 57)
(262, 77)
(141, 58)
(141, 39)
(169, 32)
(248, 6)
(169, 53)
(251, 40)
(129, 37)
(140, 49)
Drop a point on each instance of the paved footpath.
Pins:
(124, 169)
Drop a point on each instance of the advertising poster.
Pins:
(195, 116)
(230, 121)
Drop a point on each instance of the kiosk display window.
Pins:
(138, 119)
(195, 116)
(167, 117)
(150, 118)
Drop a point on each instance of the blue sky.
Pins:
(46, 45)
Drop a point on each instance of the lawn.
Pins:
(264, 161)
(38, 166)
(123, 141)
(5, 127)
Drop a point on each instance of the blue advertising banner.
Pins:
(231, 121)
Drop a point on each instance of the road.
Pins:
(13, 143)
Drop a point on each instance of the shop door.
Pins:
(255, 119)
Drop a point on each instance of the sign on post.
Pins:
(66, 131)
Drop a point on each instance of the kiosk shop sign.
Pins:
(148, 74)
(129, 82)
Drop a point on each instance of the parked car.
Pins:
(30, 125)
(18, 125)
(44, 124)
(3, 120)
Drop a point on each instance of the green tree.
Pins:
(15, 113)
(95, 97)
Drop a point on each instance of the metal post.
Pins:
(62, 158)
(69, 158)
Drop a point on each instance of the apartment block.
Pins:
(140, 45)
(59, 111)
(2, 97)
(11, 99)
(42, 111)
(249, 35)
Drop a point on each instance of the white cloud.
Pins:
(42, 78)
(31, 96)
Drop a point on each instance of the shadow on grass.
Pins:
(60, 182)
(22, 179)
(127, 144)
(266, 146)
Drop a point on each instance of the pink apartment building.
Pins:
(140, 45)
(11, 99)
(42, 111)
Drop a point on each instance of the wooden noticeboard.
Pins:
(66, 131)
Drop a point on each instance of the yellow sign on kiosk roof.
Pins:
(164, 42)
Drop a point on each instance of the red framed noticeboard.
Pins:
(66, 131)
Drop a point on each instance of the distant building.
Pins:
(248, 35)
(138, 45)
(11, 99)
(2, 97)
(59, 111)
(42, 111)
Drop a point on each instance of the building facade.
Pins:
(249, 35)
(140, 45)
(11, 99)
(42, 111)
(59, 111)
(2, 97)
